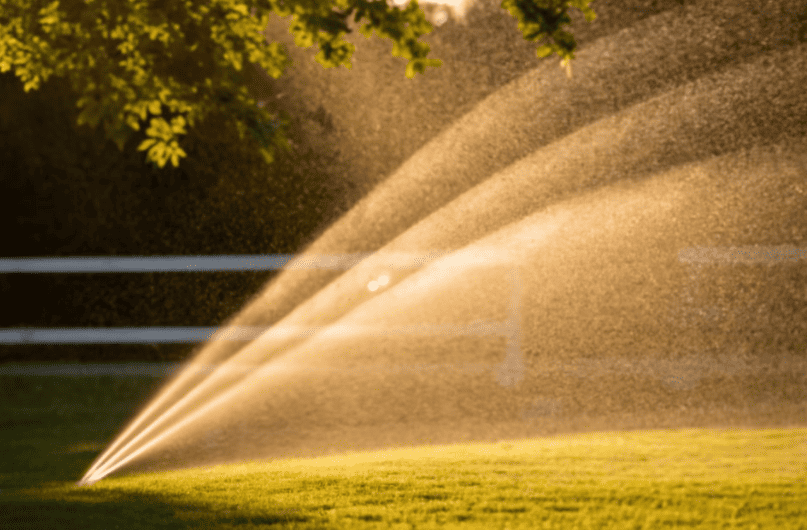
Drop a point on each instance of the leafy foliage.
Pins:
(148, 64)
(546, 18)
(157, 67)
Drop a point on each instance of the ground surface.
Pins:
(53, 426)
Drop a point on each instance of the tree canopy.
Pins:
(146, 70)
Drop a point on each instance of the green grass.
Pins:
(52, 428)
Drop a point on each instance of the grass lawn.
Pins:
(52, 427)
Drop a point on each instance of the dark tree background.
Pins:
(68, 190)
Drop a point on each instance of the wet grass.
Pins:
(52, 428)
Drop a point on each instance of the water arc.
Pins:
(612, 74)
(338, 391)
(534, 110)
(670, 69)
(542, 105)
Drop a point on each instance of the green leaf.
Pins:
(48, 14)
(159, 128)
(158, 154)
(544, 51)
(267, 155)
(132, 122)
(155, 108)
(178, 125)
(33, 84)
(145, 144)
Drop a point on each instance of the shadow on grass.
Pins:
(53, 427)
(31, 465)
(51, 430)
(47, 449)
(67, 506)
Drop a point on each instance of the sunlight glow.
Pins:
(456, 7)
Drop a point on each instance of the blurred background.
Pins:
(67, 191)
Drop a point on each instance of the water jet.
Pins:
(668, 138)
